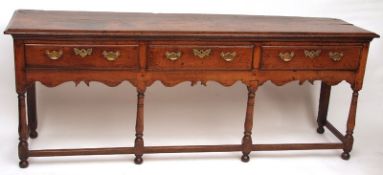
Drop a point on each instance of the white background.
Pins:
(99, 116)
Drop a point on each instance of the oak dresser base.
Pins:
(54, 47)
(322, 123)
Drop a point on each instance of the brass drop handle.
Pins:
(335, 56)
(201, 53)
(312, 53)
(54, 54)
(82, 52)
(111, 55)
(173, 56)
(228, 56)
(286, 56)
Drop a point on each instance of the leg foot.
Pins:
(247, 142)
(245, 158)
(23, 133)
(33, 134)
(23, 164)
(138, 160)
(320, 130)
(139, 141)
(345, 155)
(32, 114)
(324, 100)
(349, 139)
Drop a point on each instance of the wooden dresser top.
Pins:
(37, 22)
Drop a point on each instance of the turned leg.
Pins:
(139, 141)
(349, 139)
(324, 99)
(23, 132)
(32, 115)
(247, 142)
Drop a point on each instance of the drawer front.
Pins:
(82, 56)
(310, 57)
(172, 57)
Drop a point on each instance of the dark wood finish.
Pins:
(80, 151)
(324, 100)
(32, 111)
(21, 90)
(296, 146)
(333, 130)
(23, 132)
(188, 61)
(192, 149)
(247, 141)
(36, 56)
(53, 23)
(182, 149)
(139, 141)
(271, 60)
(349, 139)
(260, 44)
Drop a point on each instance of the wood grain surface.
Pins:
(156, 24)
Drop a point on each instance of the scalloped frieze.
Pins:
(54, 83)
(193, 82)
(311, 81)
(170, 82)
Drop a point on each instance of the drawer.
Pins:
(310, 57)
(82, 56)
(189, 57)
